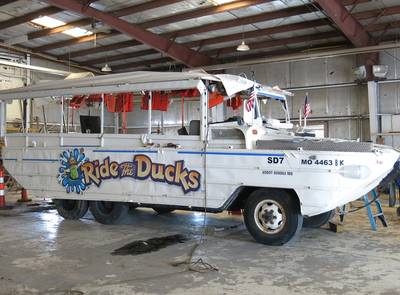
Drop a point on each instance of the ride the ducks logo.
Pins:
(77, 173)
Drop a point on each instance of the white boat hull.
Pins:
(322, 180)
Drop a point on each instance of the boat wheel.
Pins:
(108, 212)
(272, 216)
(71, 209)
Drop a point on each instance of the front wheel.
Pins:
(71, 209)
(108, 212)
(272, 216)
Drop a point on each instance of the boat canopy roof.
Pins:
(138, 81)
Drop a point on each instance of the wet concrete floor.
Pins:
(40, 253)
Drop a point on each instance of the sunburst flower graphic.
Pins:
(70, 174)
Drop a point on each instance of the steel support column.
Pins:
(373, 95)
(3, 118)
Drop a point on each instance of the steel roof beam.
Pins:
(5, 2)
(200, 29)
(71, 42)
(230, 49)
(28, 17)
(270, 15)
(220, 39)
(271, 43)
(213, 26)
(267, 54)
(175, 18)
(176, 51)
(308, 48)
(260, 45)
(120, 56)
(142, 63)
(377, 13)
(346, 22)
(383, 26)
(87, 21)
(253, 34)
(201, 12)
(109, 47)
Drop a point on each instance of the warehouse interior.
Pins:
(336, 62)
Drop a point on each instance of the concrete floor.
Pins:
(40, 253)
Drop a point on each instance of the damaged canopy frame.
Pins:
(137, 82)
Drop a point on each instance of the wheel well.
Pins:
(241, 195)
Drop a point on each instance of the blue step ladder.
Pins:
(368, 205)
(372, 217)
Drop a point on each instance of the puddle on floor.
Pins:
(150, 245)
(40, 208)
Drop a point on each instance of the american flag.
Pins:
(251, 101)
(307, 107)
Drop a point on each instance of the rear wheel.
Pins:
(318, 220)
(71, 209)
(108, 212)
(272, 216)
(163, 210)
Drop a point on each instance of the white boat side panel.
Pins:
(321, 181)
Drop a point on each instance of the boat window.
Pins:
(172, 113)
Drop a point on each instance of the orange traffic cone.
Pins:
(2, 189)
(24, 196)
(3, 205)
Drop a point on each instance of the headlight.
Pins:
(355, 171)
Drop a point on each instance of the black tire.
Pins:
(71, 209)
(108, 212)
(163, 210)
(282, 222)
(318, 220)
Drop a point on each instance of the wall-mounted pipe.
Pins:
(316, 87)
(34, 68)
(351, 84)
(48, 57)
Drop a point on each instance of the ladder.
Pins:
(368, 205)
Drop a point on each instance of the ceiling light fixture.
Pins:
(243, 47)
(106, 68)
(380, 71)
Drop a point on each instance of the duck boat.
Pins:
(210, 162)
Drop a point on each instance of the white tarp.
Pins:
(234, 84)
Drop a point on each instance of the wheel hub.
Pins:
(269, 216)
